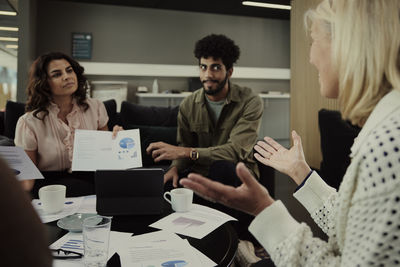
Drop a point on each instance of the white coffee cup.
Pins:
(52, 198)
(181, 199)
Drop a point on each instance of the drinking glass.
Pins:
(96, 236)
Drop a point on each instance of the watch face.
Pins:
(194, 155)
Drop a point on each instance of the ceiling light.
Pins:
(10, 29)
(266, 5)
(9, 39)
(8, 13)
(12, 46)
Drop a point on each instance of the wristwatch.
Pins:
(194, 155)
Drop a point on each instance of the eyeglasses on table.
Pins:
(65, 254)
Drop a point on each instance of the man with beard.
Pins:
(217, 124)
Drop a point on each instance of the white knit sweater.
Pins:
(362, 219)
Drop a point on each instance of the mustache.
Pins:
(214, 81)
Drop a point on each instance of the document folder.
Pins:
(129, 192)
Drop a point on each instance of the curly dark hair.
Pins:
(38, 90)
(217, 46)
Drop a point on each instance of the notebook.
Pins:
(129, 192)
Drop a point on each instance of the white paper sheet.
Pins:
(71, 206)
(88, 205)
(74, 242)
(157, 236)
(171, 238)
(158, 254)
(197, 223)
(96, 150)
(20, 163)
(202, 259)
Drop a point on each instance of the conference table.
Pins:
(220, 245)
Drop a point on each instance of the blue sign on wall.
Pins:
(82, 45)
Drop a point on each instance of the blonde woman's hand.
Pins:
(250, 197)
(288, 161)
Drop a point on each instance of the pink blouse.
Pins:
(54, 139)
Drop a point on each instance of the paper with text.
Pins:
(171, 238)
(20, 163)
(71, 206)
(74, 242)
(197, 223)
(96, 150)
(168, 253)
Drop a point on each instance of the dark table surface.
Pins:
(220, 245)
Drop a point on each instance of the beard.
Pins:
(218, 89)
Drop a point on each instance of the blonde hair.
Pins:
(365, 38)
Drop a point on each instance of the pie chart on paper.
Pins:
(127, 143)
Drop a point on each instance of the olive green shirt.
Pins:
(233, 136)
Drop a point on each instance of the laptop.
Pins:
(129, 192)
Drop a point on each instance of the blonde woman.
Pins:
(355, 48)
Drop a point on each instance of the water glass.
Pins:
(96, 236)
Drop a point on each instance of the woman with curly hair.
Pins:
(57, 105)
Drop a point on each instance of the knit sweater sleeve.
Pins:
(290, 243)
(319, 199)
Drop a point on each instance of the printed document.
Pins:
(20, 163)
(169, 239)
(197, 222)
(74, 242)
(72, 205)
(96, 150)
(163, 253)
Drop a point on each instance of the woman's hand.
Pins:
(290, 162)
(27, 185)
(250, 197)
(115, 131)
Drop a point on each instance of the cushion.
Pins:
(5, 141)
(150, 134)
(14, 110)
(337, 137)
(111, 107)
(133, 114)
(2, 114)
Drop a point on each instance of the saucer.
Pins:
(73, 223)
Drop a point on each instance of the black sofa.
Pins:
(155, 124)
(337, 137)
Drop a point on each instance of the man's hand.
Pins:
(250, 197)
(163, 151)
(172, 174)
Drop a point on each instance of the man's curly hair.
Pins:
(217, 46)
(38, 90)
